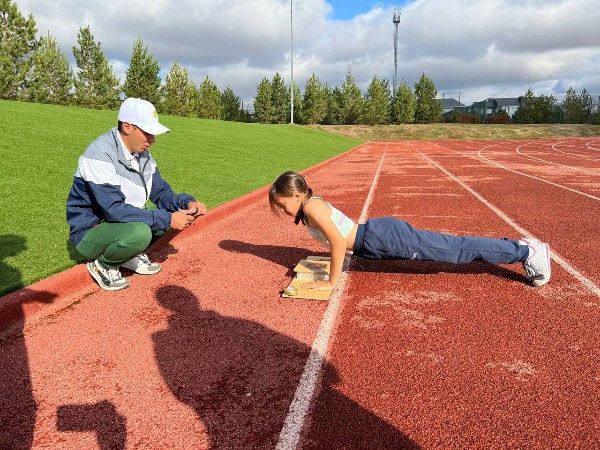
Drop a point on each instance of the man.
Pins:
(115, 178)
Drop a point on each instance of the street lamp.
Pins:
(292, 61)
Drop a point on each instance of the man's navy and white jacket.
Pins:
(108, 188)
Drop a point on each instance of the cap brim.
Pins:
(154, 128)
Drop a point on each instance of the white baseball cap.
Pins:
(142, 114)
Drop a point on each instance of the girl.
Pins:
(391, 238)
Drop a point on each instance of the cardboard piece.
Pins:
(311, 268)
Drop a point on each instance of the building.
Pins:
(491, 106)
(450, 104)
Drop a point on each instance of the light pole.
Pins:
(292, 61)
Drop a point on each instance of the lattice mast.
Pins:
(396, 21)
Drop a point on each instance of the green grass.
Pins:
(460, 131)
(215, 161)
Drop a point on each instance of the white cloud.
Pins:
(479, 47)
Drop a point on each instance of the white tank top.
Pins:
(342, 222)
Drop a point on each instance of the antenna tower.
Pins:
(396, 21)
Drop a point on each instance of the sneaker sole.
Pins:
(541, 281)
(98, 279)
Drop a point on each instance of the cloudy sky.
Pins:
(480, 48)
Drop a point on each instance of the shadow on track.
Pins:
(289, 257)
(17, 403)
(240, 377)
(102, 418)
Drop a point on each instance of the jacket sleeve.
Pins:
(163, 196)
(102, 184)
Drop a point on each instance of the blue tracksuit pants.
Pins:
(391, 238)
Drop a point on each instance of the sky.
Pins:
(472, 48)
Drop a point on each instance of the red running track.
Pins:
(424, 355)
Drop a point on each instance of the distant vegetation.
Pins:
(36, 70)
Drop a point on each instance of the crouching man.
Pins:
(115, 178)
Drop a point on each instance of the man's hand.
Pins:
(180, 220)
(317, 285)
(199, 207)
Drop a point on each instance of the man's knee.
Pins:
(138, 236)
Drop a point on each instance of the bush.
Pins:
(500, 117)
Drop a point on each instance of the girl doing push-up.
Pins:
(392, 238)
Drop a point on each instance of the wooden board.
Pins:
(311, 269)
(308, 294)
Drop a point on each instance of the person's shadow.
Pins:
(17, 403)
(289, 256)
(240, 377)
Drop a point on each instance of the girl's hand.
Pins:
(317, 285)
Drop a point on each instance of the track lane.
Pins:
(459, 357)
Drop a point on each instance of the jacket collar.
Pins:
(123, 155)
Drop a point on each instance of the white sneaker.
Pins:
(141, 264)
(537, 266)
(107, 279)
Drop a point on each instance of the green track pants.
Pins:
(115, 243)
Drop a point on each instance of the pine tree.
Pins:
(543, 108)
(315, 101)
(298, 106)
(587, 105)
(263, 104)
(333, 109)
(96, 86)
(142, 79)
(51, 77)
(376, 110)
(352, 101)
(230, 105)
(178, 92)
(17, 43)
(280, 100)
(404, 105)
(209, 100)
(427, 109)
(526, 111)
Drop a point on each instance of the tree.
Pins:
(17, 43)
(352, 101)
(230, 105)
(534, 109)
(263, 104)
(333, 109)
(178, 92)
(209, 100)
(404, 105)
(526, 111)
(96, 86)
(376, 110)
(315, 101)
(427, 109)
(587, 105)
(280, 100)
(142, 79)
(51, 77)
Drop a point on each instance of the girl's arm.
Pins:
(319, 216)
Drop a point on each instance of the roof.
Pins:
(449, 102)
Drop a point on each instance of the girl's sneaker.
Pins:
(107, 279)
(537, 265)
(142, 264)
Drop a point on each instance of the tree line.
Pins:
(35, 69)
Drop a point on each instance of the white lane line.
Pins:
(572, 155)
(557, 258)
(303, 397)
(588, 145)
(521, 152)
(480, 155)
